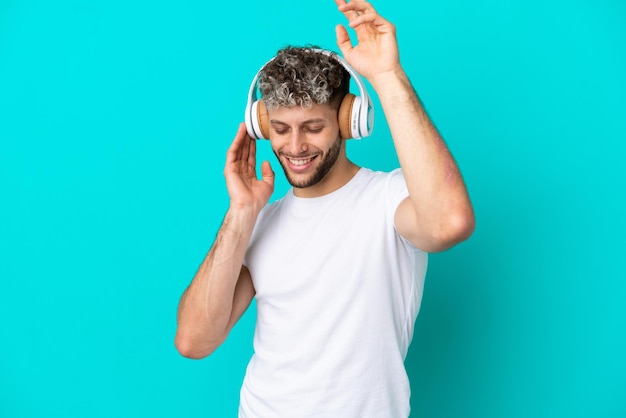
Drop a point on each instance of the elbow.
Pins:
(463, 225)
(457, 228)
(192, 349)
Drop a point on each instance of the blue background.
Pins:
(115, 118)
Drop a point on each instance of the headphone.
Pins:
(356, 113)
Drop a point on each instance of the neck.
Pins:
(342, 172)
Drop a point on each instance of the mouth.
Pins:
(300, 164)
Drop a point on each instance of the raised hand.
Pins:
(244, 189)
(376, 50)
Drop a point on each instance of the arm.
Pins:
(222, 288)
(438, 213)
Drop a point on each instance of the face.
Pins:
(306, 143)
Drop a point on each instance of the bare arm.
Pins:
(438, 213)
(222, 289)
(220, 292)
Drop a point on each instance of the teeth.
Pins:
(300, 161)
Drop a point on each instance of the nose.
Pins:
(297, 142)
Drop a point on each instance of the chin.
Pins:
(302, 182)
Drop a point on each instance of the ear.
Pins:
(345, 116)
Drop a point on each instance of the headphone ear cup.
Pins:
(355, 119)
(252, 121)
(248, 116)
(264, 120)
(345, 116)
(257, 121)
(366, 120)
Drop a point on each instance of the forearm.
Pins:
(436, 187)
(206, 307)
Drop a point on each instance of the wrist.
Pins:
(390, 78)
(244, 216)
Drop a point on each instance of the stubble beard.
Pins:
(328, 162)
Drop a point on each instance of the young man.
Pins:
(336, 265)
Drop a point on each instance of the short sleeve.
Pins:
(396, 190)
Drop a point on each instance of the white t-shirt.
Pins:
(338, 291)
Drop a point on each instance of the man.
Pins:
(336, 265)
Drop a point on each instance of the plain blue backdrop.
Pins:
(115, 117)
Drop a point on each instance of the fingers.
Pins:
(245, 149)
(343, 39)
(234, 151)
(240, 148)
(267, 173)
(372, 18)
(355, 11)
(251, 157)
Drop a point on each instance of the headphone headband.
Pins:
(361, 112)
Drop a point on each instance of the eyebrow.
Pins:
(306, 122)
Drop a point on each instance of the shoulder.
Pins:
(368, 175)
(392, 182)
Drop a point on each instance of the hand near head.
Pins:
(376, 50)
(244, 189)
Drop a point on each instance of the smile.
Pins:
(300, 161)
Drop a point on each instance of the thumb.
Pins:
(343, 39)
(267, 173)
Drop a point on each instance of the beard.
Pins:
(328, 161)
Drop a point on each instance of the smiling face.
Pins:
(308, 147)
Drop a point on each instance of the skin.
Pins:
(438, 213)
(436, 216)
(308, 147)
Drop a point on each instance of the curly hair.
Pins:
(302, 76)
